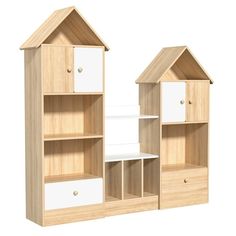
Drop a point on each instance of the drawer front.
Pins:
(73, 193)
(184, 187)
(88, 69)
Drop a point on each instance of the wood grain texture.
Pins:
(151, 177)
(173, 63)
(184, 187)
(130, 205)
(65, 26)
(34, 136)
(132, 179)
(173, 144)
(197, 101)
(67, 115)
(197, 144)
(73, 157)
(73, 214)
(114, 179)
(55, 63)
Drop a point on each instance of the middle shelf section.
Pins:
(129, 135)
(73, 137)
(132, 166)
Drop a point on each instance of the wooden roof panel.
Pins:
(179, 56)
(54, 22)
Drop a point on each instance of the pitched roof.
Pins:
(81, 30)
(179, 58)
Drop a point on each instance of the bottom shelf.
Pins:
(68, 177)
(176, 167)
(148, 194)
(130, 196)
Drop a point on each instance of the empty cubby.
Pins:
(113, 188)
(73, 159)
(184, 146)
(70, 115)
(151, 177)
(132, 179)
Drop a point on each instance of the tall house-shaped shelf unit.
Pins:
(176, 87)
(64, 100)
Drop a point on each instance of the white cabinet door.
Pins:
(73, 193)
(88, 69)
(173, 101)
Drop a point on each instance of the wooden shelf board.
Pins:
(111, 198)
(148, 194)
(68, 177)
(176, 167)
(61, 94)
(55, 137)
(185, 123)
(129, 156)
(130, 196)
(133, 117)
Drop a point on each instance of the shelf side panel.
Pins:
(34, 136)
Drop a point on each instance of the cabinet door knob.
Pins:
(189, 102)
(181, 102)
(80, 69)
(75, 193)
(69, 70)
(185, 181)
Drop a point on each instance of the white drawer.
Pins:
(73, 193)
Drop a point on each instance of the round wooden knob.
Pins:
(185, 181)
(75, 193)
(69, 70)
(181, 102)
(80, 69)
(190, 102)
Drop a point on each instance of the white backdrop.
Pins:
(135, 31)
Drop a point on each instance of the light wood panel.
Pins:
(94, 156)
(73, 214)
(151, 177)
(149, 99)
(130, 205)
(62, 25)
(175, 167)
(71, 157)
(34, 136)
(132, 179)
(184, 187)
(113, 180)
(53, 137)
(197, 101)
(197, 144)
(160, 64)
(68, 177)
(56, 61)
(190, 67)
(173, 144)
(64, 157)
(185, 144)
(68, 115)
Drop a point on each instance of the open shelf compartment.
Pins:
(73, 159)
(73, 117)
(184, 146)
(113, 180)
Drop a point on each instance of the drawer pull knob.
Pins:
(185, 181)
(190, 102)
(181, 102)
(80, 69)
(69, 70)
(75, 193)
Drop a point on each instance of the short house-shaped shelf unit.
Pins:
(176, 87)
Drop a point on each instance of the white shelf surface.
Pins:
(132, 116)
(129, 156)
